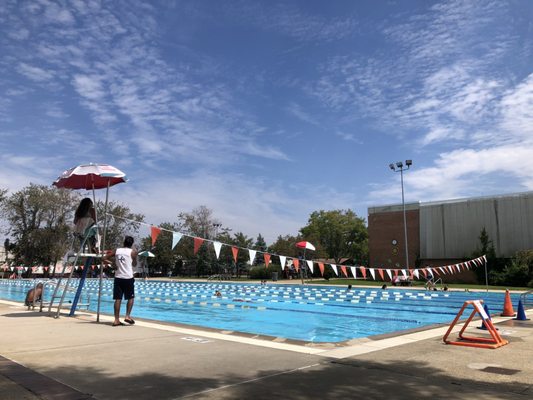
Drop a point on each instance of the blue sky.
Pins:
(265, 111)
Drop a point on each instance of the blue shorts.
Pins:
(123, 288)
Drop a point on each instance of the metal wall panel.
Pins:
(451, 229)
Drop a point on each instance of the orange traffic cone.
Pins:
(507, 305)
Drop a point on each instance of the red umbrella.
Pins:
(305, 245)
(90, 176)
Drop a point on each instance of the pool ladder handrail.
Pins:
(66, 286)
(524, 298)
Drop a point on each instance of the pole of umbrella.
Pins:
(102, 245)
(302, 268)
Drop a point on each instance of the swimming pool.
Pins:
(299, 312)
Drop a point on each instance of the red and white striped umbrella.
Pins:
(305, 245)
(90, 176)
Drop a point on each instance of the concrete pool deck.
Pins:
(87, 360)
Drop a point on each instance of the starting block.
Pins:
(481, 342)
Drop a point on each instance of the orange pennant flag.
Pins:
(296, 264)
(395, 273)
(235, 251)
(380, 272)
(343, 269)
(411, 274)
(197, 243)
(267, 259)
(425, 272)
(321, 267)
(363, 271)
(155, 233)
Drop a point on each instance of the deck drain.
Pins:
(196, 339)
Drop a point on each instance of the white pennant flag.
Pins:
(415, 273)
(430, 272)
(457, 268)
(310, 265)
(282, 260)
(404, 272)
(354, 272)
(442, 270)
(252, 255)
(450, 268)
(484, 258)
(389, 273)
(176, 237)
(372, 273)
(335, 269)
(217, 246)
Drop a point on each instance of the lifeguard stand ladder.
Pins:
(482, 342)
(60, 291)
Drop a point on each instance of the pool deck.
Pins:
(77, 358)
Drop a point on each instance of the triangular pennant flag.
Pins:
(46, 268)
(457, 268)
(354, 272)
(266, 256)
(343, 269)
(282, 261)
(235, 252)
(363, 271)
(395, 273)
(372, 273)
(450, 268)
(334, 267)
(404, 273)
(425, 272)
(411, 272)
(197, 244)
(252, 254)
(380, 272)
(389, 273)
(296, 264)
(217, 246)
(416, 273)
(155, 231)
(310, 265)
(176, 237)
(321, 268)
(484, 258)
(436, 270)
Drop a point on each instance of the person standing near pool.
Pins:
(124, 284)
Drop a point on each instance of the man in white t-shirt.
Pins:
(123, 287)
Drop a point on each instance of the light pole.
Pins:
(399, 167)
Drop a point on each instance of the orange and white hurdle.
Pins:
(493, 342)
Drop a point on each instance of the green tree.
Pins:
(38, 220)
(337, 234)
(200, 223)
(494, 265)
(243, 242)
(285, 246)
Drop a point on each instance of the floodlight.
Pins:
(391, 166)
(399, 164)
(408, 162)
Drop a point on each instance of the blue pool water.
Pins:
(308, 313)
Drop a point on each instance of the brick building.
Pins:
(445, 232)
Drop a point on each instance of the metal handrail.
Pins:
(524, 298)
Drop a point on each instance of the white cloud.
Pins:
(35, 73)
